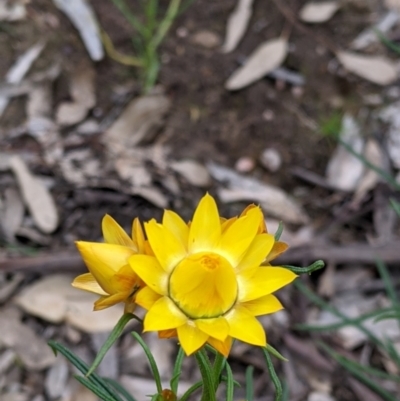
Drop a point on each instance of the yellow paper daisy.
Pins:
(205, 282)
(110, 275)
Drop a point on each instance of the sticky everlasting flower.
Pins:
(110, 275)
(205, 281)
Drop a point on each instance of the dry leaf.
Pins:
(52, 298)
(20, 68)
(31, 349)
(12, 11)
(391, 115)
(83, 18)
(393, 5)
(39, 124)
(36, 196)
(13, 213)
(272, 199)
(374, 154)
(377, 69)
(344, 170)
(195, 173)
(140, 120)
(237, 24)
(316, 13)
(268, 56)
(83, 93)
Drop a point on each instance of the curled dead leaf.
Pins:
(377, 69)
(36, 196)
(265, 58)
(237, 24)
(316, 13)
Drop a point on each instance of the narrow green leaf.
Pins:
(191, 390)
(249, 383)
(127, 13)
(386, 176)
(351, 321)
(176, 374)
(395, 206)
(319, 264)
(113, 337)
(275, 353)
(152, 362)
(387, 280)
(229, 383)
(165, 24)
(217, 369)
(206, 374)
(95, 379)
(279, 231)
(94, 389)
(388, 43)
(274, 377)
(324, 305)
(355, 370)
(117, 386)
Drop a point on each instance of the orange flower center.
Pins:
(203, 285)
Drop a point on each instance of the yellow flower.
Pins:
(110, 275)
(205, 282)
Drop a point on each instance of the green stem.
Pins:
(166, 23)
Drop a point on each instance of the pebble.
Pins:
(207, 39)
(245, 164)
(271, 159)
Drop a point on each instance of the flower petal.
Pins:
(111, 300)
(167, 333)
(174, 223)
(103, 261)
(164, 315)
(278, 248)
(205, 229)
(263, 306)
(168, 249)
(266, 280)
(138, 235)
(146, 297)
(245, 327)
(126, 280)
(191, 338)
(217, 328)
(113, 233)
(149, 270)
(87, 282)
(237, 238)
(223, 347)
(257, 252)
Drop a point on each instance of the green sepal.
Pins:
(275, 353)
(279, 231)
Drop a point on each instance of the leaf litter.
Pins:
(138, 159)
(317, 13)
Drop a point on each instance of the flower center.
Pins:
(203, 285)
